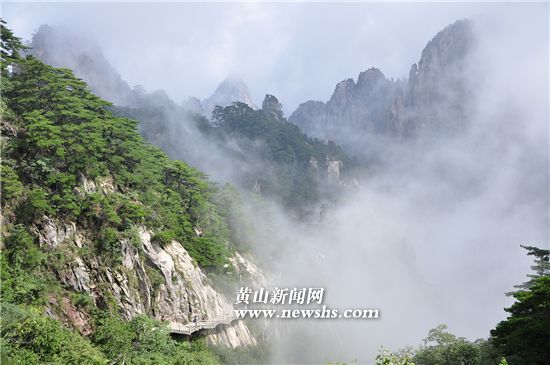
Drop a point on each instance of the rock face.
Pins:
(248, 271)
(162, 282)
(436, 92)
(435, 96)
(333, 169)
(231, 89)
(62, 48)
(360, 106)
(272, 106)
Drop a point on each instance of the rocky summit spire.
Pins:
(230, 90)
(272, 106)
(436, 90)
(434, 98)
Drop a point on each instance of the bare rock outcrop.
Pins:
(272, 107)
(162, 282)
(373, 109)
(230, 90)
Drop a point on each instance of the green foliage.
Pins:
(385, 357)
(524, 337)
(66, 136)
(146, 341)
(12, 188)
(541, 266)
(10, 48)
(27, 337)
(287, 165)
(67, 157)
(20, 264)
(286, 172)
(165, 237)
(443, 348)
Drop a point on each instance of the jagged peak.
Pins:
(231, 89)
(345, 84)
(272, 106)
(450, 44)
(48, 37)
(232, 82)
(369, 76)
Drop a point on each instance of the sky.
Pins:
(295, 51)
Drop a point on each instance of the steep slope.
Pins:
(99, 227)
(60, 48)
(433, 99)
(290, 167)
(186, 132)
(355, 108)
(437, 94)
(257, 150)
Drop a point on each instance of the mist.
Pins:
(432, 234)
(433, 237)
(295, 51)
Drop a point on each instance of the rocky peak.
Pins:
(435, 97)
(436, 91)
(370, 77)
(448, 46)
(272, 106)
(343, 92)
(444, 53)
(62, 48)
(230, 90)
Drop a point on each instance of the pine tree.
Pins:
(541, 267)
(10, 46)
(524, 337)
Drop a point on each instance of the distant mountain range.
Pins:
(372, 109)
(362, 116)
(59, 48)
(433, 98)
(225, 135)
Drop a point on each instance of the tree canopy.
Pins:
(524, 337)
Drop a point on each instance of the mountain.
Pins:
(62, 48)
(354, 107)
(374, 108)
(232, 89)
(436, 95)
(255, 149)
(285, 164)
(106, 242)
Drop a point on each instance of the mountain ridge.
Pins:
(377, 107)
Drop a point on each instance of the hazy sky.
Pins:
(296, 51)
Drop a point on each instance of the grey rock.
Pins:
(435, 98)
(273, 107)
(183, 292)
(231, 90)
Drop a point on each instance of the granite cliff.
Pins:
(433, 99)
